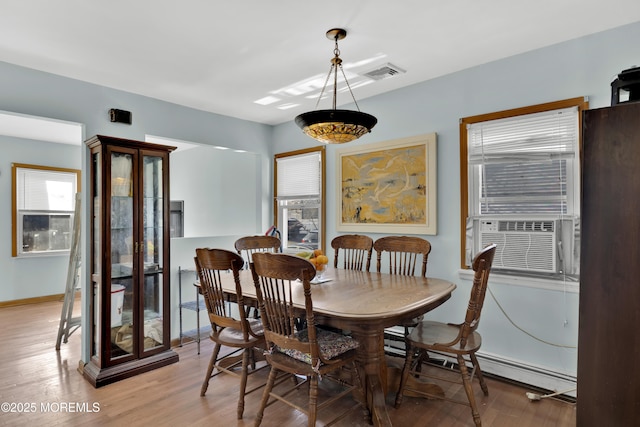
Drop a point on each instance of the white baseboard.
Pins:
(527, 374)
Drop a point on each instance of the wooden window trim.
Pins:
(14, 195)
(582, 103)
(323, 210)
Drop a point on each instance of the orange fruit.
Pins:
(322, 259)
(317, 252)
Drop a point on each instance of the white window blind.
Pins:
(42, 190)
(299, 176)
(524, 164)
(543, 135)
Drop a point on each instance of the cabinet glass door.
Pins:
(123, 249)
(152, 250)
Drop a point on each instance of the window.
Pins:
(299, 195)
(43, 204)
(520, 179)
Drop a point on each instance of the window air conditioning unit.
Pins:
(532, 245)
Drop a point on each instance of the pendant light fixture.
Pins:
(336, 126)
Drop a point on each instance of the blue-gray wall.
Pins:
(582, 67)
(27, 91)
(35, 276)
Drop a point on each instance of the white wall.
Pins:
(219, 190)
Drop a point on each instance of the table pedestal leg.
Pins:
(372, 361)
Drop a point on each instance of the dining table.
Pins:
(364, 303)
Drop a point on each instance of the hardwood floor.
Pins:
(36, 377)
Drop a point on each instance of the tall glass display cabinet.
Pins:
(129, 259)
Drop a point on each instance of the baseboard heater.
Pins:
(536, 376)
(509, 369)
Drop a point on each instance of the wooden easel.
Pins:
(68, 323)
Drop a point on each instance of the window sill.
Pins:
(530, 282)
(41, 254)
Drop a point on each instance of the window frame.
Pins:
(321, 150)
(580, 102)
(17, 215)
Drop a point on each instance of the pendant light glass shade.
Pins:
(336, 126)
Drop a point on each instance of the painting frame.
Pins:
(417, 175)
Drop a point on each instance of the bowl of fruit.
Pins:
(318, 259)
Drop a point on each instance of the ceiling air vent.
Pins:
(384, 71)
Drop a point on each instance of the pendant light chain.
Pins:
(336, 62)
(335, 126)
(348, 87)
(324, 87)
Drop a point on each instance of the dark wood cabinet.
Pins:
(129, 259)
(609, 333)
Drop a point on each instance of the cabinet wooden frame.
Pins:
(111, 360)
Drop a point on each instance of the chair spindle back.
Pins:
(356, 249)
(275, 277)
(248, 245)
(403, 254)
(481, 267)
(210, 263)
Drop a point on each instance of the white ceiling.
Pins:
(223, 56)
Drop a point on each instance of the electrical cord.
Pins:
(532, 396)
(522, 330)
(536, 396)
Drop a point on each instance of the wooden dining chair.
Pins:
(227, 328)
(312, 353)
(248, 245)
(356, 251)
(404, 254)
(460, 341)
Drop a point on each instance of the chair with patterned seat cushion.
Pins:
(312, 352)
(459, 341)
(228, 328)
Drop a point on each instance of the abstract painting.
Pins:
(388, 187)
